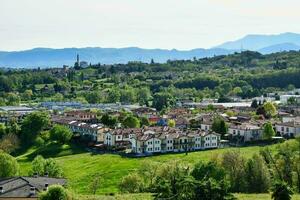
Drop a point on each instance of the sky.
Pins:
(167, 24)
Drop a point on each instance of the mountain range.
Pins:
(47, 57)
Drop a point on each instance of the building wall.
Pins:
(205, 127)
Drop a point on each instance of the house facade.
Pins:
(288, 129)
(173, 140)
(247, 132)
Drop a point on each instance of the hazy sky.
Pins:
(181, 24)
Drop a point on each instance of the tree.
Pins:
(56, 192)
(292, 101)
(257, 175)
(43, 166)
(32, 125)
(219, 126)
(27, 95)
(131, 183)
(162, 100)
(187, 190)
(143, 96)
(9, 143)
(38, 165)
(204, 171)
(268, 131)
(128, 95)
(281, 191)
(52, 168)
(254, 104)
(61, 134)
(131, 122)
(270, 109)
(13, 99)
(95, 183)
(108, 120)
(171, 123)
(113, 95)
(234, 164)
(9, 166)
(2, 130)
(144, 121)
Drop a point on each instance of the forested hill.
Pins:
(247, 74)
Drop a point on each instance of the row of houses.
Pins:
(144, 140)
(161, 139)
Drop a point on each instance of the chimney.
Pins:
(46, 186)
(35, 174)
(32, 190)
(1, 190)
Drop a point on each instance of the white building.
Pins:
(288, 129)
(248, 132)
(173, 140)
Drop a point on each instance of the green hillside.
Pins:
(79, 167)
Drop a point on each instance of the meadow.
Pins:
(80, 166)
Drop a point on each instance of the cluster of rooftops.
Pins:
(27, 187)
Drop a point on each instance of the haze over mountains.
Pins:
(46, 57)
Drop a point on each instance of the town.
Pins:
(187, 127)
(149, 100)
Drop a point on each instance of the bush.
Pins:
(9, 167)
(55, 192)
(131, 183)
(281, 191)
(42, 166)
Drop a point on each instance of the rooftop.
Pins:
(21, 187)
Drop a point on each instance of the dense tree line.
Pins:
(246, 74)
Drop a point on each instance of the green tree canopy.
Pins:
(61, 134)
(56, 192)
(9, 166)
(268, 131)
(131, 122)
(32, 125)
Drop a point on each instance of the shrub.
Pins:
(8, 166)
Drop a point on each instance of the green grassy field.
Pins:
(80, 167)
(149, 197)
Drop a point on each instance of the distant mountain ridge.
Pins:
(47, 57)
(257, 42)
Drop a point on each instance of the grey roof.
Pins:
(15, 108)
(19, 187)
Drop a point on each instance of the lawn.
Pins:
(150, 197)
(260, 196)
(80, 168)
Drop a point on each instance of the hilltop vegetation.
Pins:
(244, 75)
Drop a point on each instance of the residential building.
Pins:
(172, 140)
(80, 115)
(88, 131)
(246, 131)
(119, 137)
(26, 187)
(288, 129)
